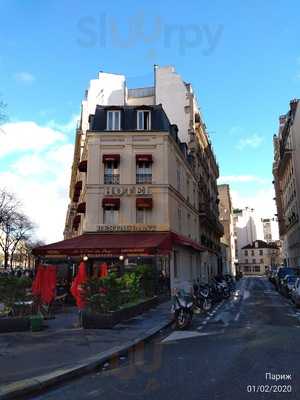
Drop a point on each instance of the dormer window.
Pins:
(143, 120)
(113, 121)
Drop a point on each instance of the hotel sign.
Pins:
(133, 190)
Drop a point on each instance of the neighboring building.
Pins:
(258, 256)
(143, 182)
(226, 219)
(286, 171)
(248, 227)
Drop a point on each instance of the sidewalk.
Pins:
(63, 350)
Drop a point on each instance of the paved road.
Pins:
(222, 356)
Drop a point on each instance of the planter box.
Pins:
(107, 321)
(14, 324)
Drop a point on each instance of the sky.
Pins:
(242, 58)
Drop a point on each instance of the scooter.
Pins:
(201, 297)
(183, 309)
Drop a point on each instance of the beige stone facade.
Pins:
(226, 219)
(178, 183)
(258, 256)
(286, 171)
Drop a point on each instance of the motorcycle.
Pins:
(183, 309)
(201, 297)
(221, 289)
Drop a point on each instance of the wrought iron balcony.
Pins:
(144, 178)
(111, 179)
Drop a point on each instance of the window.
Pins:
(256, 268)
(189, 224)
(246, 260)
(113, 121)
(261, 252)
(111, 173)
(143, 172)
(179, 220)
(178, 178)
(143, 120)
(253, 261)
(252, 253)
(261, 260)
(142, 215)
(246, 252)
(175, 264)
(110, 216)
(187, 188)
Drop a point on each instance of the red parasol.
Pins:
(76, 288)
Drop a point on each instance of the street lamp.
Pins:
(85, 258)
(121, 258)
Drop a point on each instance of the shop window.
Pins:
(176, 264)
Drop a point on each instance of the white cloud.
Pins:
(24, 77)
(241, 179)
(27, 136)
(67, 127)
(39, 174)
(253, 141)
(261, 200)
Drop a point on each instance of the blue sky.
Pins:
(242, 57)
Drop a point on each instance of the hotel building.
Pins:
(143, 182)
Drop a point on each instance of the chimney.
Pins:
(293, 106)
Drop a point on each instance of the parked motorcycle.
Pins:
(201, 297)
(221, 288)
(183, 309)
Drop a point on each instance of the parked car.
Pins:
(288, 284)
(282, 272)
(295, 293)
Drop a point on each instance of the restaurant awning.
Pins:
(144, 202)
(114, 244)
(111, 202)
(111, 157)
(144, 158)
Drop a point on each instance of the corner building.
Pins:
(143, 180)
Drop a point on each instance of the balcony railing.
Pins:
(144, 178)
(110, 179)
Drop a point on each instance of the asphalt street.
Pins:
(224, 355)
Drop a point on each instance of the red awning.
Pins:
(144, 158)
(111, 202)
(81, 208)
(144, 202)
(114, 244)
(82, 166)
(111, 157)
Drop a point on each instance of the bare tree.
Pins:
(8, 205)
(15, 227)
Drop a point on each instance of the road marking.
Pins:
(237, 316)
(179, 335)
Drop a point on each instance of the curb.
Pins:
(25, 387)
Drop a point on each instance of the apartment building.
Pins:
(258, 256)
(286, 172)
(226, 219)
(143, 179)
